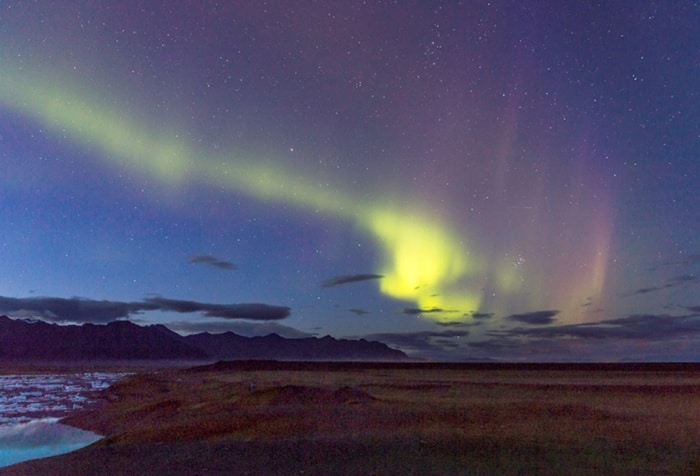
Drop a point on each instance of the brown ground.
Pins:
(325, 419)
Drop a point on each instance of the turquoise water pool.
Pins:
(31, 406)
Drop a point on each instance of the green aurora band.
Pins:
(424, 262)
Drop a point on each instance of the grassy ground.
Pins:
(345, 420)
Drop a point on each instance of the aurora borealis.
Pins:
(480, 180)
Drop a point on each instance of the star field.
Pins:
(463, 180)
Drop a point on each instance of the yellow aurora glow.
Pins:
(423, 260)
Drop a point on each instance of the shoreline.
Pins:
(79, 366)
(11, 367)
(388, 418)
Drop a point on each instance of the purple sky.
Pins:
(461, 180)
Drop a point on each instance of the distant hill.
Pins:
(230, 346)
(37, 340)
(123, 340)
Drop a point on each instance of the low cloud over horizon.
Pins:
(253, 311)
(535, 318)
(438, 345)
(645, 327)
(657, 337)
(416, 311)
(81, 310)
(532, 336)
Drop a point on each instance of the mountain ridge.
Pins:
(124, 340)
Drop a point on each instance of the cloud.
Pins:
(212, 261)
(359, 312)
(456, 323)
(536, 318)
(637, 337)
(482, 315)
(349, 278)
(670, 283)
(252, 311)
(73, 309)
(646, 290)
(415, 311)
(647, 327)
(88, 310)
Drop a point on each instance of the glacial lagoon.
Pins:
(31, 406)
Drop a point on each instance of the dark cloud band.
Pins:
(253, 311)
(87, 310)
(213, 261)
(350, 278)
(536, 318)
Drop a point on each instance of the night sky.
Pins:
(510, 180)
